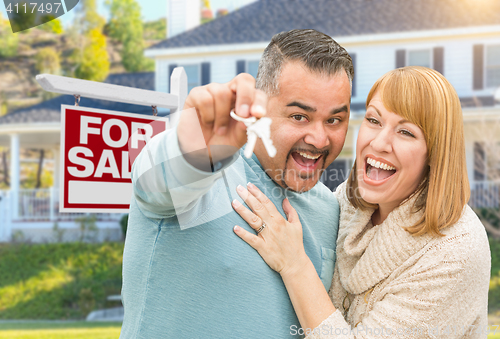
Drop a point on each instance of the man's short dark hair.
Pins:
(319, 52)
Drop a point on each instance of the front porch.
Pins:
(38, 219)
(38, 212)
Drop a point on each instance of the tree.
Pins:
(54, 26)
(47, 61)
(155, 30)
(92, 58)
(88, 17)
(8, 40)
(94, 63)
(125, 26)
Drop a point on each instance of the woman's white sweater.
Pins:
(388, 283)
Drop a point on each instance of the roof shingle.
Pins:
(259, 21)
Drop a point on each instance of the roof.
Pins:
(466, 102)
(259, 21)
(50, 110)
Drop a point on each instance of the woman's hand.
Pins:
(280, 243)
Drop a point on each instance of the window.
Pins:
(420, 58)
(492, 66)
(336, 173)
(193, 75)
(431, 58)
(252, 67)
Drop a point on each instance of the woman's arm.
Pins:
(308, 295)
(281, 245)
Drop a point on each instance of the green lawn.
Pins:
(63, 281)
(59, 330)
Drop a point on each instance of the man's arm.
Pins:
(179, 166)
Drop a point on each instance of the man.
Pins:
(185, 273)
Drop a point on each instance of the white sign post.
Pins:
(98, 147)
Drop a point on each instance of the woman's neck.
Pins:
(381, 213)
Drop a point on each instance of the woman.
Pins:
(413, 259)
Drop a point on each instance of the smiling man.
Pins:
(185, 273)
(310, 115)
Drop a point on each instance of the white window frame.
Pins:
(431, 56)
(485, 60)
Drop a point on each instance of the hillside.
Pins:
(18, 87)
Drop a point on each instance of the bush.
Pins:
(47, 61)
(88, 228)
(490, 217)
(58, 281)
(123, 224)
(94, 64)
(494, 293)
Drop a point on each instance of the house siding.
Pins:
(372, 61)
(222, 67)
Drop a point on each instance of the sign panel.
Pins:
(98, 148)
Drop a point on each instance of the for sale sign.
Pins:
(98, 149)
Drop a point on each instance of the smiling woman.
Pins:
(393, 158)
(412, 258)
(424, 140)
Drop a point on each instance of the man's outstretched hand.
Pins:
(208, 107)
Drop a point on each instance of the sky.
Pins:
(151, 9)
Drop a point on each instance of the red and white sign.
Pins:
(98, 148)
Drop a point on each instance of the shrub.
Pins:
(494, 293)
(123, 224)
(47, 61)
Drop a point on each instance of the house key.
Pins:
(257, 128)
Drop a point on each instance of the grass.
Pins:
(59, 330)
(58, 281)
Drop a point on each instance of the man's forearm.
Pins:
(165, 183)
(211, 159)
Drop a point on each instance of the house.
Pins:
(32, 213)
(459, 38)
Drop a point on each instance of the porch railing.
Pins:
(485, 194)
(43, 204)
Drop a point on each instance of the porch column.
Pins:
(15, 171)
(57, 163)
(354, 140)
